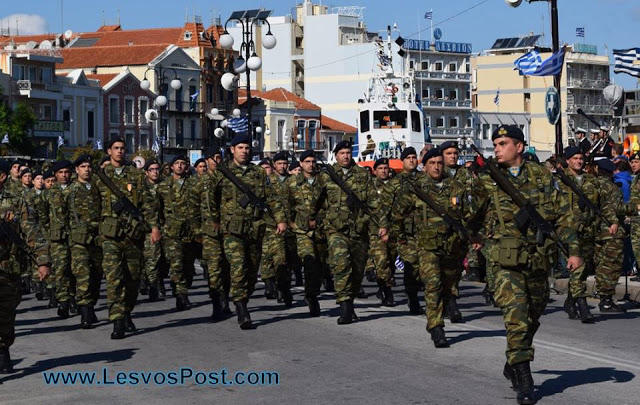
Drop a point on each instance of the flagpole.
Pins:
(556, 79)
(431, 37)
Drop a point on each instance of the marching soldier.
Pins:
(34, 199)
(13, 182)
(19, 219)
(583, 142)
(123, 233)
(520, 263)
(200, 166)
(82, 210)
(153, 255)
(634, 204)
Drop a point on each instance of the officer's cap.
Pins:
(294, 165)
(149, 163)
(264, 161)
(581, 130)
(114, 140)
(448, 144)
(211, 152)
(307, 154)
(595, 131)
(571, 151)
(406, 152)
(24, 171)
(342, 145)
(606, 165)
(431, 153)
(47, 174)
(85, 158)
(61, 164)
(179, 157)
(508, 131)
(380, 161)
(241, 138)
(635, 156)
(282, 155)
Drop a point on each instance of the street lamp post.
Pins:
(161, 100)
(555, 38)
(251, 61)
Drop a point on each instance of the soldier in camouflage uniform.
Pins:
(200, 168)
(16, 214)
(521, 266)
(346, 228)
(180, 211)
(382, 254)
(304, 192)
(576, 303)
(13, 182)
(634, 205)
(34, 198)
(124, 236)
(609, 239)
(243, 227)
(153, 254)
(82, 211)
(26, 184)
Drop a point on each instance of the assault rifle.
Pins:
(123, 205)
(527, 216)
(584, 202)
(249, 196)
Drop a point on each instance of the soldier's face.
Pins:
(280, 167)
(241, 153)
(117, 152)
(295, 171)
(84, 171)
(213, 162)
(3, 177)
(450, 156)
(15, 170)
(63, 176)
(38, 182)
(576, 162)
(410, 163)
(308, 165)
(508, 151)
(49, 182)
(267, 168)
(343, 157)
(434, 167)
(635, 166)
(179, 168)
(201, 168)
(382, 172)
(153, 172)
(27, 180)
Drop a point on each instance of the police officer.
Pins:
(16, 215)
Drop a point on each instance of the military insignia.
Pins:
(9, 216)
(502, 131)
(555, 185)
(129, 187)
(454, 201)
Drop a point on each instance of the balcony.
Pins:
(447, 104)
(32, 89)
(443, 76)
(587, 83)
(589, 108)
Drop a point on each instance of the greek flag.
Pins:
(98, 145)
(531, 64)
(156, 146)
(428, 15)
(239, 125)
(60, 140)
(627, 61)
(399, 264)
(5, 139)
(496, 99)
(192, 102)
(580, 32)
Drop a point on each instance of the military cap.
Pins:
(509, 131)
(179, 157)
(294, 165)
(61, 164)
(635, 156)
(448, 144)
(84, 158)
(25, 171)
(37, 173)
(408, 151)
(201, 160)
(282, 155)
(571, 151)
(264, 161)
(211, 152)
(530, 157)
(342, 145)
(380, 161)
(604, 128)
(5, 167)
(581, 130)
(149, 163)
(114, 140)
(47, 174)
(307, 153)
(595, 131)
(433, 152)
(606, 164)
(241, 138)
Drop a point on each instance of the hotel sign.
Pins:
(424, 45)
(585, 48)
(48, 126)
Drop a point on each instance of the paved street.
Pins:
(386, 357)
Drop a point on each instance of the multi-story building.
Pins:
(631, 121)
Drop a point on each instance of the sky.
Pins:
(608, 23)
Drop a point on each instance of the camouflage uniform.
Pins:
(124, 238)
(179, 207)
(14, 209)
(152, 252)
(382, 255)
(58, 240)
(520, 266)
(634, 211)
(34, 199)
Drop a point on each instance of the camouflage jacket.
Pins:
(54, 201)
(612, 207)
(376, 200)
(277, 190)
(544, 193)
(389, 197)
(81, 208)
(15, 211)
(35, 200)
(338, 217)
(303, 200)
(179, 207)
(634, 200)
(585, 219)
(205, 190)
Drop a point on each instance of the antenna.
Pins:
(118, 11)
(103, 23)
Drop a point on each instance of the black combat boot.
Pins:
(128, 323)
(284, 295)
(119, 327)
(380, 294)
(144, 289)
(346, 313)
(63, 309)
(583, 309)
(387, 294)
(473, 274)
(314, 306)
(488, 296)
(510, 375)
(414, 304)
(40, 287)
(162, 288)
(216, 303)
(85, 317)
(362, 293)
(5, 361)
(205, 272)
(270, 288)
(73, 306)
(525, 392)
(182, 302)
(26, 285)
(297, 272)
(53, 301)
(328, 284)
(455, 316)
(225, 304)
(92, 315)
(570, 307)
(437, 335)
(608, 305)
(244, 319)
(370, 275)
(154, 294)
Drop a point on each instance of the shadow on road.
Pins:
(472, 335)
(74, 360)
(572, 378)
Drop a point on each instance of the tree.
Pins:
(96, 155)
(18, 124)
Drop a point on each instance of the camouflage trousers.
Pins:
(408, 252)
(122, 263)
(61, 258)
(382, 257)
(308, 250)
(492, 266)
(243, 254)
(438, 274)
(294, 261)
(522, 295)
(10, 296)
(347, 258)
(217, 263)
(635, 238)
(608, 264)
(273, 257)
(152, 255)
(457, 263)
(86, 266)
(178, 255)
(578, 277)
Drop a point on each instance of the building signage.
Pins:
(552, 105)
(585, 48)
(416, 44)
(48, 126)
(424, 45)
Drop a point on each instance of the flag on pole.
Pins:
(496, 99)
(627, 61)
(5, 139)
(531, 64)
(239, 125)
(98, 145)
(156, 146)
(580, 32)
(60, 141)
(428, 15)
(192, 103)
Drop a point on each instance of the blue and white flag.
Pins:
(60, 140)
(496, 99)
(239, 125)
(627, 61)
(580, 32)
(98, 145)
(192, 102)
(531, 64)
(156, 146)
(428, 15)
(399, 264)
(5, 139)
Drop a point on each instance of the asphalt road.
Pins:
(386, 357)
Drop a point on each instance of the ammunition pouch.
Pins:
(110, 228)
(302, 221)
(234, 225)
(209, 230)
(82, 234)
(135, 230)
(57, 232)
(510, 252)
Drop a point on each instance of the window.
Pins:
(486, 131)
(390, 119)
(128, 111)
(411, 64)
(453, 94)
(131, 147)
(313, 126)
(365, 125)
(18, 72)
(426, 93)
(144, 140)
(91, 125)
(453, 122)
(439, 94)
(467, 95)
(114, 114)
(144, 106)
(467, 67)
(193, 131)
(33, 74)
(47, 113)
(439, 66)
(66, 116)
(415, 121)
(179, 99)
(440, 122)
(453, 67)
(424, 65)
(469, 123)
(179, 132)
(209, 93)
(281, 131)
(301, 125)
(46, 75)
(427, 121)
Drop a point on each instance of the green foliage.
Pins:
(147, 154)
(96, 155)
(17, 123)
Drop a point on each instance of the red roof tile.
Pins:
(103, 79)
(110, 28)
(335, 125)
(23, 39)
(109, 56)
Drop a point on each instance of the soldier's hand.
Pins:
(43, 272)
(312, 224)
(216, 226)
(573, 263)
(613, 229)
(155, 235)
(281, 228)
(383, 233)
